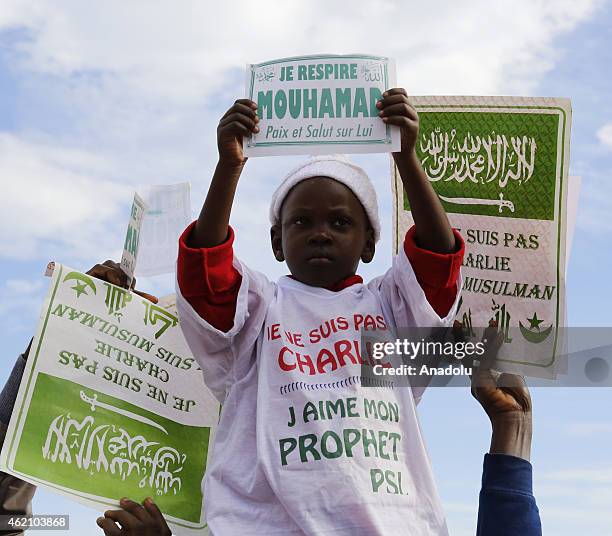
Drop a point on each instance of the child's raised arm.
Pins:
(433, 232)
(211, 228)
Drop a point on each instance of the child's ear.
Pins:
(367, 254)
(276, 238)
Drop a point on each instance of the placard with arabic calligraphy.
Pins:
(500, 167)
(112, 404)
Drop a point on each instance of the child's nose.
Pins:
(320, 234)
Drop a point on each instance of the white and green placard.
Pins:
(112, 404)
(500, 167)
(320, 105)
(132, 237)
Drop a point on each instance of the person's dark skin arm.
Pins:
(507, 506)
(212, 225)
(433, 231)
(504, 397)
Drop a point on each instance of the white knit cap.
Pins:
(335, 167)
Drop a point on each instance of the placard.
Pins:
(321, 104)
(500, 167)
(112, 404)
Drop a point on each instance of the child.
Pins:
(302, 447)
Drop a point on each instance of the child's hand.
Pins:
(135, 520)
(111, 272)
(239, 121)
(395, 109)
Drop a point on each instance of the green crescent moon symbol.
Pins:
(83, 281)
(534, 336)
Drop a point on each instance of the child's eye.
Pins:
(342, 221)
(299, 221)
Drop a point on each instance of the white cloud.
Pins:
(604, 134)
(49, 201)
(185, 52)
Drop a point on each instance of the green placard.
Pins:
(112, 404)
(500, 168)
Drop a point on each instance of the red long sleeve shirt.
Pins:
(210, 283)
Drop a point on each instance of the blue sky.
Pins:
(97, 100)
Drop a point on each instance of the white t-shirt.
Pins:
(302, 447)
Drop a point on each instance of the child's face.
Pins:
(323, 232)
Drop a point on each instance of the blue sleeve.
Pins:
(507, 506)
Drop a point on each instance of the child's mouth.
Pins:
(319, 258)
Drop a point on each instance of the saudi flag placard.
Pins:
(500, 167)
(112, 404)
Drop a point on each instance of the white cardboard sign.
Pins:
(320, 104)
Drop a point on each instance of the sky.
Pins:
(97, 99)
